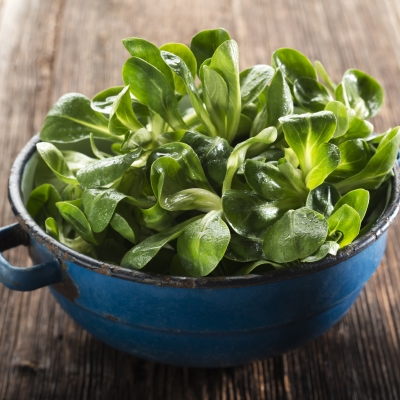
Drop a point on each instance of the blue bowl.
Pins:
(196, 322)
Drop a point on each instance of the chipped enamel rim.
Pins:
(63, 252)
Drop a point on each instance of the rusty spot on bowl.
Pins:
(67, 287)
(110, 317)
(50, 245)
(104, 270)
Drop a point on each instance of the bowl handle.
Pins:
(29, 278)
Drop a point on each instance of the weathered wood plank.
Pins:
(52, 47)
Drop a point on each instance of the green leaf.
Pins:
(253, 81)
(150, 53)
(71, 192)
(204, 43)
(250, 215)
(345, 220)
(176, 191)
(279, 103)
(201, 70)
(192, 199)
(186, 158)
(342, 117)
(262, 98)
(213, 154)
(203, 243)
(141, 111)
(291, 157)
(364, 93)
(307, 135)
(154, 218)
(42, 203)
(268, 181)
(358, 128)
(170, 137)
(341, 96)
(44, 175)
(354, 156)
(258, 267)
(52, 228)
(298, 234)
(141, 138)
(376, 138)
(55, 161)
(74, 216)
(78, 244)
(151, 88)
(310, 94)
(378, 167)
(225, 61)
(107, 170)
(216, 99)
(179, 67)
(250, 111)
(142, 253)
(100, 204)
(102, 102)
(134, 183)
(323, 199)
(306, 131)
(329, 247)
(76, 160)
(116, 127)
(293, 64)
(243, 249)
(189, 59)
(378, 202)
(72, 119)
(324, 76)
(98, 153)
(122, 117)
(293, 175)
(357, 199)
(125, 224)
(326, 160)
(236, 159)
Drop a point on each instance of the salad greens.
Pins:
(194, 168)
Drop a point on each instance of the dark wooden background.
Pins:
(50, 47)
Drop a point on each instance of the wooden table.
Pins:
(50, 47)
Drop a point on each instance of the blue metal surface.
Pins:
(25, 279)
(206, 349)
(197, 327)
(204, 322)
(212, 327)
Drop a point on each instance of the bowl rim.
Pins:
(61, 251)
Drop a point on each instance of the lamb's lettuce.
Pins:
(225, 173)
(308, 135)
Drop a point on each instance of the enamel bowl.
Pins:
(196, 322)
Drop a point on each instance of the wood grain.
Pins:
(50, 47)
